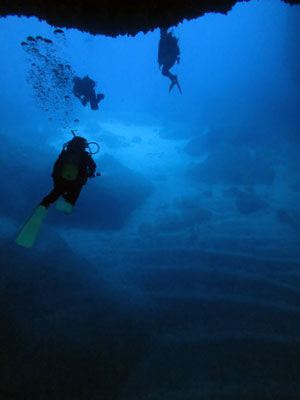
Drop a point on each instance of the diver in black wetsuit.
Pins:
(84, 90)
(168, 54)
(71, 171)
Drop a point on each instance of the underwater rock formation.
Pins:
(218, 168)
(113, 18)
(290, 218)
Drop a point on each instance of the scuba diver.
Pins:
(71, 171)
(168, 54)
(84, 90)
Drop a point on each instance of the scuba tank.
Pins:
(70, 166)
(72, 158)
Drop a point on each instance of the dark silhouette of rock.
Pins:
(113, 18)
(233, 168)
(289, 217)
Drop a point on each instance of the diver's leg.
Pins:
(100, 96)
(165, 71)
(72, 193)
(173, 78)
(52, 196)
(93, 100)
(84, 101)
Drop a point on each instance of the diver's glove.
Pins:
(93, 175)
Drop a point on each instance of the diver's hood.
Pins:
(80, 143)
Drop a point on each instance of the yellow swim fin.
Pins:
(64, 206)
(30, 230)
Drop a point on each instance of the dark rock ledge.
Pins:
(114, 17)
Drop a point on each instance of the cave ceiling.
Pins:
(112, 17)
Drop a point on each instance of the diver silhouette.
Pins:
(71, 171)
(168, 54)
(84, 90)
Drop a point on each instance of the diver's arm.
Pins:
(57, 165)
(91, 167)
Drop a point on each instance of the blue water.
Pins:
(177, 274)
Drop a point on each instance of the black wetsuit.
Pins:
(168, 54)
(84, 90)
(68, 189)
